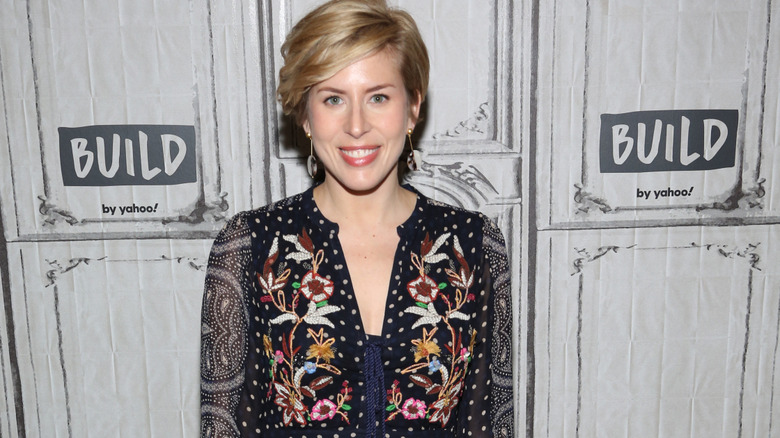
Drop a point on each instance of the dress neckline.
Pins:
(405, 232)
(324, 224)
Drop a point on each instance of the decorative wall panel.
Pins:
(657, 332)
(608, 57)
(106, 337)
(121, 70)
(7, 401)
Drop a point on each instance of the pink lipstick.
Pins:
(358, 156)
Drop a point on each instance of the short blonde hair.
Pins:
(341, 32)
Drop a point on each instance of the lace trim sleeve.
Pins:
(501, 399)
(487, 408)
(224, 322)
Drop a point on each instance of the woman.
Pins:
(359, 307)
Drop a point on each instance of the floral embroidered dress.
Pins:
(284, 353)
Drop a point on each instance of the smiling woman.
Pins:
(358, 120)
(359, 307)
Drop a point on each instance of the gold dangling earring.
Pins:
(311, 162)
(410, 159)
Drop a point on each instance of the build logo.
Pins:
(114, 155)
(676, 140)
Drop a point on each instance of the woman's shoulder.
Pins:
(286, 206)
(441, 211)
(283, 208)
(468, 225)
(277, 212)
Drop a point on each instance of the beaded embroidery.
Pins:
(427, 353)
(286, 375)
(301, 372)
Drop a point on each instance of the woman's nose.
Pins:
(357, 125)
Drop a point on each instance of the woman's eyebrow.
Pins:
(340, 91)
(379, 87)
(330, 90)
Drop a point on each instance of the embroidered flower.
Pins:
(321, 348)
(464, 354)
(268, 282)
(324, 410)
(316, 287)
(413, 409)
(293, 408)
(423, 289)
(321, 351)
(425, 347)
(464, 279)
(434, 365)
(287, 365)
(453, 297)
(443, 407)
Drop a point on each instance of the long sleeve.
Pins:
(487, 408)
(224, 323)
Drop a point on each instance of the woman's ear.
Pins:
(414, 108)
(305, 125)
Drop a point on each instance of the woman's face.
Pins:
(358, 120)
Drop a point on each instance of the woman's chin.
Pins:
(363, 182)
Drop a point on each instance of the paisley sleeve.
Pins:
(487, 408)
(224, 322)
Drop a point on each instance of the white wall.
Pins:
(634, 317)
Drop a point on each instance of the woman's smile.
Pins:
(359, 155)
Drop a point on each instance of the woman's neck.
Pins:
(388, 205)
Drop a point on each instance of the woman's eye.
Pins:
(333, 100)
(379, 98)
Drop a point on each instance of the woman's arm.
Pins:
(487, 408)
(224, 322)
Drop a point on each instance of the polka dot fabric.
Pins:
(284, 351)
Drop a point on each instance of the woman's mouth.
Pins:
(360, 155)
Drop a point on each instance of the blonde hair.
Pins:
(341, 32)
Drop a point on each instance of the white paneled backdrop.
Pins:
(651, 319)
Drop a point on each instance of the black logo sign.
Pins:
(116, 155)
(676, 140)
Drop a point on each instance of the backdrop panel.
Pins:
(657, 332)
(104, 336)
(7, 401)
(657, 112)
(163, 95)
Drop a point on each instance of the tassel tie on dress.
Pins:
(375, 390)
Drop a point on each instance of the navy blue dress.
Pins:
(284, 353)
